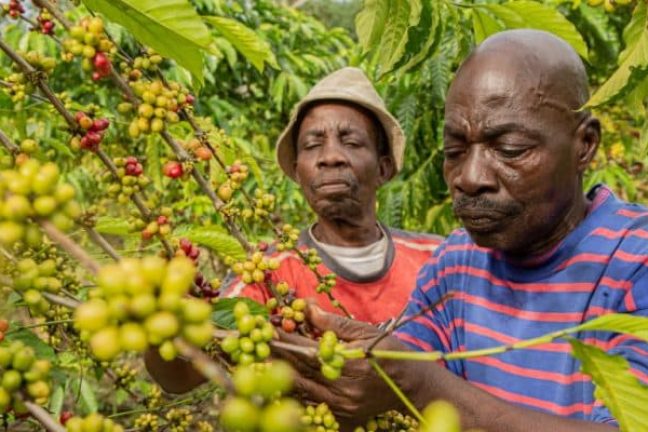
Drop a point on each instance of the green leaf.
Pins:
(370, 22)
(484, 25)
(618, 323)
(277, 90)
(112, 225)
(29, 338)
(630, 73)
(222, 244)
(171, 27)
(402, 16)
(424, 37)
(633, 31)
(620, 391)
(223, 315)
(88, 400)
(246, 41)
(533, 15)
(56, 401)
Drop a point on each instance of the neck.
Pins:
(347, 233)
(569, 220)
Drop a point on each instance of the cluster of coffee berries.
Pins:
(391, 421)
(124, 375)
(178, 419)
(288, 238)
(17, 87)
(92, 423)
(319, 419)
(4, 326)
(142, 303)
(188, 249)
(14, 9)
(148, 61)
(28, 146)
(328, 282)
(258, 405)
(264, 203)
(32, 192)
(130, 179)
(38, 61)
(198, 149)
(290, 315)
(236, 175)
(255, 332)
(32, 279)
(93, 132)
(330, 355)
(609, 5)
(89, 41)
(160, 105)
(22, 374)
(147, 422)
(45, 20)
(173, 169)
(161, 226)
(208, 289)
(255, 268)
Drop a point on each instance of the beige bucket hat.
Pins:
(347, 84)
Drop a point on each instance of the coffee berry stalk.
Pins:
(140, 303)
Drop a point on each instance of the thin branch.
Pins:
(61, 301)
(70, 246)
(8, 144)
(44, 4)
(44, 417)
(398, 323)
(102, 243)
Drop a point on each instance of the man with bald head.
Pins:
(537, 254)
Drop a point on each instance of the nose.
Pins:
(475, 173)
(331, 155)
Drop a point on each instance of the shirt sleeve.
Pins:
(427, 328)
(634, 350)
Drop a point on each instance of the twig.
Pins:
(398, 323)
(102, 243)
(70, 246)
(8, 144)
(44, 417)
(54, 11)
(410, 406)
(61, 301)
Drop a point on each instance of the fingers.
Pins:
(345, 328)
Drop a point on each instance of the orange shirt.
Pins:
(374, 299)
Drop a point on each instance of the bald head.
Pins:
(547, 69)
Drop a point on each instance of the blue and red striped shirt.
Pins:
(600, 267)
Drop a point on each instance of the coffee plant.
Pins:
(132, 183)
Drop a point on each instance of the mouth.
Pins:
(481, 222)
(333, 186)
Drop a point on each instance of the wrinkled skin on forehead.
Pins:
(515, 146)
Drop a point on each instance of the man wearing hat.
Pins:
(340, 146)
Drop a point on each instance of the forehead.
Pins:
(336, 115)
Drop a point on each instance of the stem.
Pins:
(204, 364)
(410, 406)
(8, 144)
(102, 243)
(30, 326)
(307, 351)
(70, 246)
(61, 301)
(398, 323)
(44, 417)
(54, 11)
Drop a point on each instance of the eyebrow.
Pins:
(495, 131)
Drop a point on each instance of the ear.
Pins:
(588, 138)
(386, 169)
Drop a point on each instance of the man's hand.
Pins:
(359, 393)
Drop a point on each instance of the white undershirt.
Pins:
(363, 260)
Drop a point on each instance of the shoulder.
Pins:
(415, 240)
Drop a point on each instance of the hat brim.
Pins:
(285, 148)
